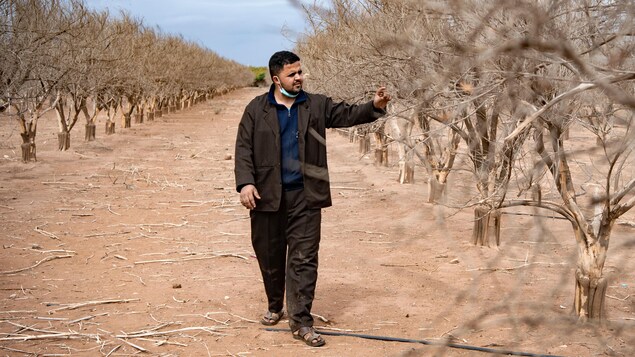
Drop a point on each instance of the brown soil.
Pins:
(149, 220)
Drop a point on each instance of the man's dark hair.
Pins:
(279, 60)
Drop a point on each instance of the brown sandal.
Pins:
(272, 318)
(309, 336)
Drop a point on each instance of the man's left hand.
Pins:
(381, 98)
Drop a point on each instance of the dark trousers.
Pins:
(286, 243)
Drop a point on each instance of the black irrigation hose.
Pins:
(424, 342)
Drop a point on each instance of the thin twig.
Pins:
(158, 327)
(133, 345)
(45, 318)
(106, 234)
(369, 232)
(616, 298)
(18, 312)
(197, 154)
(113, 212)
(93, 303)
(232, 234)
(90, 317)
(516, 267)
(178, 260)
(37, 264)
(211, 330)
(163, 342)
(60, 335)
(48, 234)
(19, 351)
(231, 314)
(113, 350)
(52, 251)
(138, 277)
(322, 318)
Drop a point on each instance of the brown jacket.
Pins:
(258, 146)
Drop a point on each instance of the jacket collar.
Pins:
(272, 99)
(304, 116)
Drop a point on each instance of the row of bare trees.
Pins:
(59, 55)
(501, 83)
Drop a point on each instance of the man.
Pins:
(282, 176)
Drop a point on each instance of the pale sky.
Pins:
(247, 31)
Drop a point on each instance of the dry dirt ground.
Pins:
(136, 242)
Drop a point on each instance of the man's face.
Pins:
(290, 78)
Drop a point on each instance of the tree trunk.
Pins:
(436, 189)
(150, 115)
(487, 223)
(158, 113)
(590, 284)
(138, 118)
(406, 171)
(381, 150)
(364, 144)
(590, 293)
(406, 164)
(110, 127)
(126, 121)
(381, 156)
(91, 132)
(28, 146)
(64, 141)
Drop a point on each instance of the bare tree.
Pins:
(576, 50)
(29, 72)
(494, 73)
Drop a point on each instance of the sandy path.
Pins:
(141, 232)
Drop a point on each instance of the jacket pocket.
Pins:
(316, 172)
(268, 184)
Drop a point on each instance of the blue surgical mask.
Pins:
(287, 94)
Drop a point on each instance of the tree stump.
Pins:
(91, 132)
(487, 223)
(64, 141)
(381, 156)
(381, 149)
(110, 127)
(28, 152)
(406, 172)
(436, 189)
(364, 144)
(126, 121)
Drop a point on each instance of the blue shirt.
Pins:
(289, 134)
